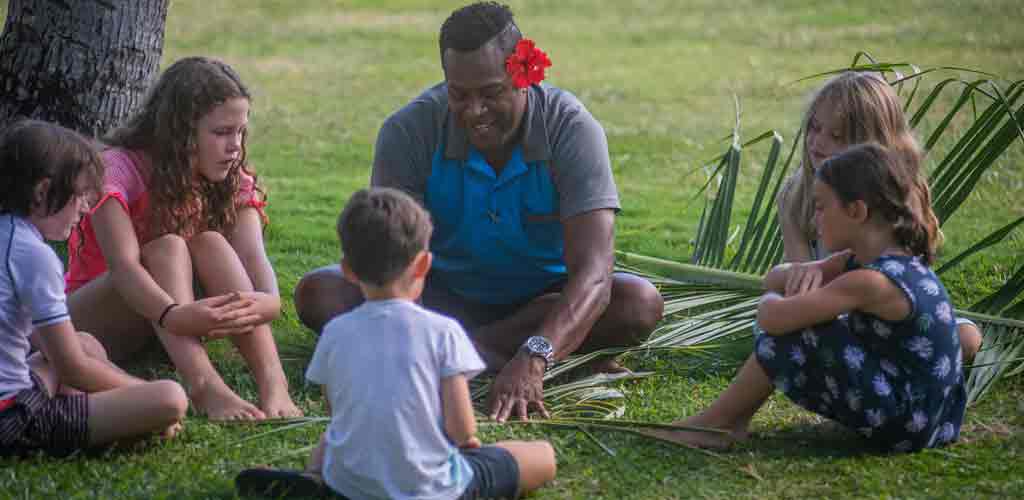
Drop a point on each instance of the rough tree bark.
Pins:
(82, 63)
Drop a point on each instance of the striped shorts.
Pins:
(58, 425)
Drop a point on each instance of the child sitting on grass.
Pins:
(875, 346)
(67, 396)
(853, 107)
(395, 379)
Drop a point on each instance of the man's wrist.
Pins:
(536, 364)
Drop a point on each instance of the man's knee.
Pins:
(322, 294)
(639, 305)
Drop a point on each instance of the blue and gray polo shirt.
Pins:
(498, 239)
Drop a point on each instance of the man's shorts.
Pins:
(471, 314)
(33, 421)
(495, 473)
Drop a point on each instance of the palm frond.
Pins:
(1001, 354)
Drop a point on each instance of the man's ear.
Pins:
(421, 264)
(858, 211)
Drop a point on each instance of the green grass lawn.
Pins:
(661, 76)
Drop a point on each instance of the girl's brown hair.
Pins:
(869, 111)
(877, 176)
(33, 150)
(166, 130)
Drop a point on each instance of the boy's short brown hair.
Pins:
(381, 232)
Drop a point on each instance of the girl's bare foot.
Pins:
(710, 440)
(172, 431)
(220, 403)
(279, 405)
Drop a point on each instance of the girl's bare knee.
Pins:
(970, 340)
(166, 246)
(170, 399)
(206, 241)
(92, 347)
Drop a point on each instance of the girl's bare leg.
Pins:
(221, 271)
(536, 461)
(970, 340)
(731, 412)
(167, 259)
(99, 309)
(134, 411)
(125, 412)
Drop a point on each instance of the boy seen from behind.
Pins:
(396, 375)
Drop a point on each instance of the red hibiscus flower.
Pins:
(526, 64)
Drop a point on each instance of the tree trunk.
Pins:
(84, 64)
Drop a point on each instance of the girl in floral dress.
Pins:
(853, 107)
(875, 346)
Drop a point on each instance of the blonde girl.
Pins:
(182, 211)
(851, 108)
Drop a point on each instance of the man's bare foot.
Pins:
(279, 405)
(610, 366)
(604, 365)
(219, 403)
(699, 439)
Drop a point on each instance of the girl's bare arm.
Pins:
(246, 237)
(862, 289)
(74, 367)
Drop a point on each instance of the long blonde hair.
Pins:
(869, 111)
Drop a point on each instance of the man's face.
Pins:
(482, 97)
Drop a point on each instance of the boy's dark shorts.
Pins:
(57, 425)
(495, 473)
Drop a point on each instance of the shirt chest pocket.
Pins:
(539, 212)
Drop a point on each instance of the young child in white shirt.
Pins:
(67, 396)
(395, 377)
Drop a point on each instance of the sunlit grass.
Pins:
(662, 76)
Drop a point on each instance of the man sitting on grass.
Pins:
(517, 179)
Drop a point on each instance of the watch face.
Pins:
(539, 345)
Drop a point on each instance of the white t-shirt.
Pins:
(382, 365)
(31, 296)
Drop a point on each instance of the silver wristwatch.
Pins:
(541, 347)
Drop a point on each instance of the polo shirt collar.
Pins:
(535, 144)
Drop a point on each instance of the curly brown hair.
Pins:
(166, 130)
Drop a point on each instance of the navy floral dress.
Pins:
(898, 383)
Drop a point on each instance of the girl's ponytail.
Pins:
(892, 190)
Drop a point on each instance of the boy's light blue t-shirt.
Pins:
(31, 297)
(382, 365)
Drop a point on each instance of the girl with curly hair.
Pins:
(183, 212)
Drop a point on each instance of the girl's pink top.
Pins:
(125, 181)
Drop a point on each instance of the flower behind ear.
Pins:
(526, 64)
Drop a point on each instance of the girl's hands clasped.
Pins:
(214, 317)
(806, 276)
